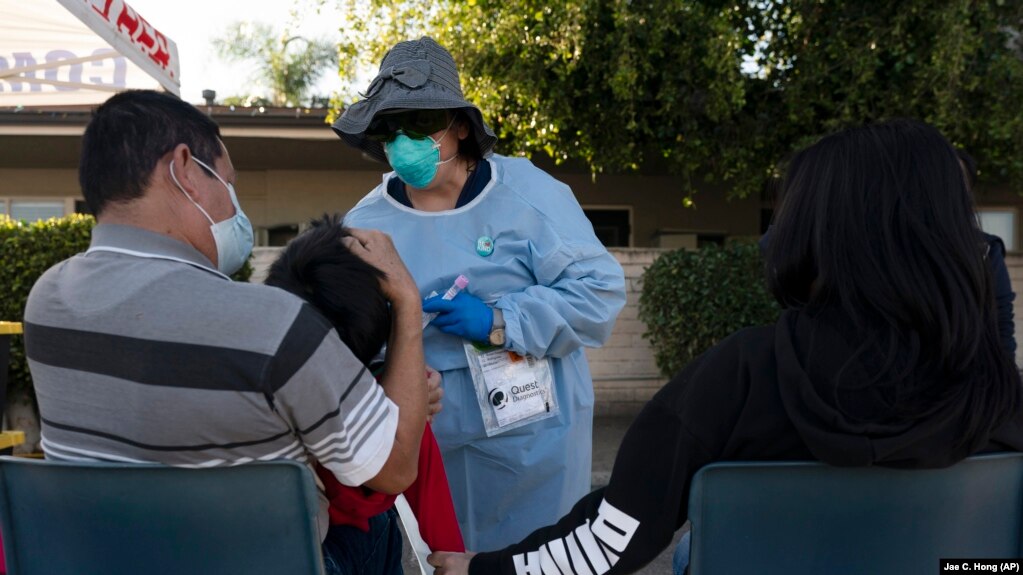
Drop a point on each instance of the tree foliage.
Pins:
(288, 66)
(711, 90)
(955, 64)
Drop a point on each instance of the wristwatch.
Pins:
(497, 331)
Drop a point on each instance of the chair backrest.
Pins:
(797, 518)
(114, 519)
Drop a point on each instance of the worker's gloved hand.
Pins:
(465, 316)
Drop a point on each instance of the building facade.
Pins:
(292, 168)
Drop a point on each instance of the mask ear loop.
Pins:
(436, 143)
(188, 197)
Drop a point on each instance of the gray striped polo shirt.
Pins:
(141, 352)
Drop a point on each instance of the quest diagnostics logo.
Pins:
(498, 399)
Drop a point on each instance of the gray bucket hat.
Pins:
(417, 74)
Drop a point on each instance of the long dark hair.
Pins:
(877, 224)
(469, 147)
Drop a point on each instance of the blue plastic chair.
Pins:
(809, 518)
(113, 519)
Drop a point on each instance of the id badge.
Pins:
(512, 390)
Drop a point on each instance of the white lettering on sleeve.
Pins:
(592, 549)
(581, 567)
(547, 564)
(560, 555)
(610, 533)
(614, 528)
(527, 563)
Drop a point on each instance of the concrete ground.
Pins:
(607, 436)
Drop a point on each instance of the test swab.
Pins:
(459, 285)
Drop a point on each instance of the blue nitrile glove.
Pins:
(465, 316)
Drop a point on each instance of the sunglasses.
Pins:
(416, 124)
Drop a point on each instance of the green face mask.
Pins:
(416, 160)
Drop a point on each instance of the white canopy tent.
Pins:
(68, 52)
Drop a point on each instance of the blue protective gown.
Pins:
(559, 290)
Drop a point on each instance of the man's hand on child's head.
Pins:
(376, 248)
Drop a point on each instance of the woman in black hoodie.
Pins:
(887, 353)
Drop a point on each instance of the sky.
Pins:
(193, 24)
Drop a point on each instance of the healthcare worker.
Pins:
(540, 284)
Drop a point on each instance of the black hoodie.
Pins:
(764, 394)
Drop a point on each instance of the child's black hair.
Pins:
(320, 269)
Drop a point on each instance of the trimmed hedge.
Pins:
(245, 273)
(693, 299)
(26, 251)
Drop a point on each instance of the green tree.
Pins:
(831, 63)
(614, 84)
(711, 90)
(288, 66)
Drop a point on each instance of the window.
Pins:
(281, 235)
(1000, 222)
(611, 225)
(674, 238)
(704, 240)
(32, 210)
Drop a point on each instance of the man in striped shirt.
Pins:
(143, 350)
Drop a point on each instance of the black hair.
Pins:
(877, 223)
(129, 134)
(469, 147)
(320, 269)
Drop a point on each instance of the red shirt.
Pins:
(429, 497)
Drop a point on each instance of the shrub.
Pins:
(693, 299)
(245, 272)
(26, 251)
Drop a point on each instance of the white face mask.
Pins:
(232, 236)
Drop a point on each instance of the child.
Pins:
(318, 268)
